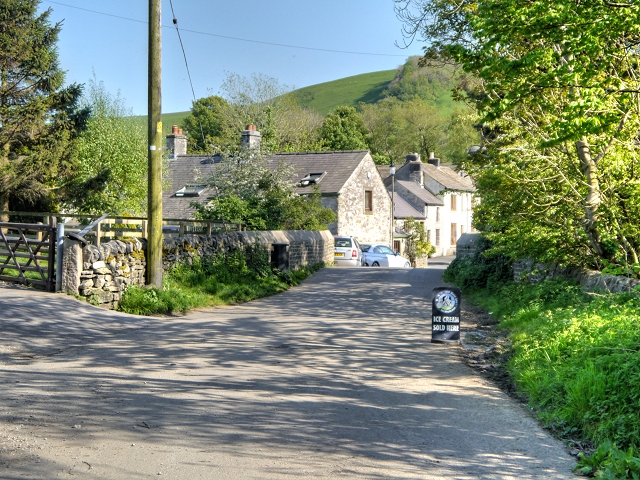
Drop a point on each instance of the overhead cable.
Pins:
(234, 38)
(175, 22)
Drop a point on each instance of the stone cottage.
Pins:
(441, 194)
(348, 182)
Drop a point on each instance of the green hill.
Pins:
(324, 97)
(431, 84)
(168, 119)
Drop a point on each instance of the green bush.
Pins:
(479, 271)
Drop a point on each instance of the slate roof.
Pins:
(339, 166)
(403, 209)
(182, 171)
(192, 169)
(383, 170)
(422, 193)
(448, 178)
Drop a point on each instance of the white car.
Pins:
(383, 256)
(347, 252)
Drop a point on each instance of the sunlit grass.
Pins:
(576, 357)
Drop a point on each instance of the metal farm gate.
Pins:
(28, 253)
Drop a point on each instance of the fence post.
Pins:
(98, 233)
(59, 254)
(209, 228)
(51, 267)
(182, 228)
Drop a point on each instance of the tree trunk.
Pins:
(593, 199)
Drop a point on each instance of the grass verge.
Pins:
(232, 277)
(576, 358)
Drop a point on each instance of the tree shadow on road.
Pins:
(338, 369)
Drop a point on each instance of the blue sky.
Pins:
(115, 48)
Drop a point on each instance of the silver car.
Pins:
(383, 256)
(347, 252)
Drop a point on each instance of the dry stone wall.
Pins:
(590, 280)
(305, 247)
(102, 274)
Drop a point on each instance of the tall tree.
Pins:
(344, 129)
(38, 116)
(207, 123)
(559, 88)
(111, 173)
(257, 100)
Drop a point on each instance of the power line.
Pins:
(184, 54)
(234, 38)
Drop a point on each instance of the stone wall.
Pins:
(101, 274)
(305, 247)
(592, 281)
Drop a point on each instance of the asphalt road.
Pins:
(333, 379)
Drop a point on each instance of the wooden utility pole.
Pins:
(154, 210)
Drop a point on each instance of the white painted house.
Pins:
(441, 194)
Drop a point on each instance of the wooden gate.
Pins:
(28, 253)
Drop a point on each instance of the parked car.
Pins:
(382, 256)
(347, 252)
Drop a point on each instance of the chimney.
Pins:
(251, 138)
(412, 157)
(176, 142)
(433, 161)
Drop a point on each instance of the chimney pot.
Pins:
(174, 129)
(251, 128)
(179, 131)
(412, 157)
(431, 155)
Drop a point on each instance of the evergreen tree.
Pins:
(38, 116)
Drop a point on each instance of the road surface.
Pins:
(333, 379)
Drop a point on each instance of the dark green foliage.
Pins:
(239, 275)
(610, 463)
(208, 117)
(39, 117)
(417, 246)
(431, 84)
(344, 129)
(479, 271)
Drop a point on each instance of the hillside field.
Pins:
(324, 97)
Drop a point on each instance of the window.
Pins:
(396, 245)
(437, 214)
(437, 236)
(368, 201)
(454, 233)
(343, 242)
(429, 236)
(312, 179)
(453, 203)
(190, 191)
(461, 229)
